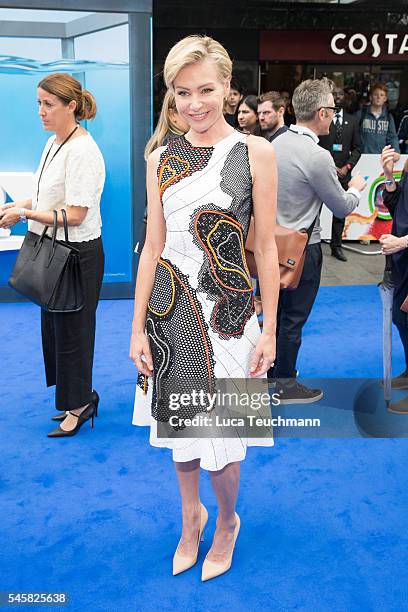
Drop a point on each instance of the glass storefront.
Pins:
(95, 48)
(359, 77)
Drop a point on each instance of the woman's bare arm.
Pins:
(264, 178)
(153, 247)
(11, 215)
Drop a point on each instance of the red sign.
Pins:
(333, 46)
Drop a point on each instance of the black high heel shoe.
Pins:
(88, 414)
(60, 416)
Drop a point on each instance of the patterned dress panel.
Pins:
(175, 165)
(202, 296)
(224, 275)
(178, 335)
(237, 182)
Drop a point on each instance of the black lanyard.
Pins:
(301, 134)
(48, 152)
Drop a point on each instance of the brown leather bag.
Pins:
(291, 246)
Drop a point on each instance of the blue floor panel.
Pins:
(97, 515)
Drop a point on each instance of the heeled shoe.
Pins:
(211, 569)
(182, 563)
(60, 416)
(86, 415)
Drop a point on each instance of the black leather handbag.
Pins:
(48, 271)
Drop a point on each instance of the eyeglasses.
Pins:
(335, 109)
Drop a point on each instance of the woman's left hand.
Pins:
(10, 216)
(263, 356)
(392, 244)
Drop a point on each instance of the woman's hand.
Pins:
(10, 215)
(392, 244)
(140, 353)
(264, 355)
(4, 207)
(387, 161)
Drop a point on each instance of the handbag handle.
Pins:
(54, 231)
(54, 235)
(65, 222)
(40, 241)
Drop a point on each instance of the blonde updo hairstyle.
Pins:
(67, 88)
(191, 50)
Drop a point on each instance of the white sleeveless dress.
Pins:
(201, 320)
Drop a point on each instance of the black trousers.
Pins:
(337, 231)
(400, 320)
(294, 307)
(68, 338)
(337, 223)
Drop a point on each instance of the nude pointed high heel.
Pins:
(211, 569)
(182, 563)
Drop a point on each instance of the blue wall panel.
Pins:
(111, 130)
(22, 135)
(22, 140)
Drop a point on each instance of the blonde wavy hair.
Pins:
(164, 125)
(193, 49)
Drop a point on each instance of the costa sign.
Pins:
(358, 44)
(329, 45)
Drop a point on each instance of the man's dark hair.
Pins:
(236, 85)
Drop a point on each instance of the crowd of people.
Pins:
(194, 313)
(376, 123)
(357, 128)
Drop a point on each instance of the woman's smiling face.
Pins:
(200, 93)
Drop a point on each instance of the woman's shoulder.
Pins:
(83, 141)
(48, 144)
(259, 146)
(153, 158)
(84, 146)
(258, 141)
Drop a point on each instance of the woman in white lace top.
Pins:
(70, 176)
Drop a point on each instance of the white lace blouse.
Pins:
(75, 177)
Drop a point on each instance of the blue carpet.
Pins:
(97, 516)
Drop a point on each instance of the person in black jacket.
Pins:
(231, 103)
(343, 143)
(395, 198)
(403, 133)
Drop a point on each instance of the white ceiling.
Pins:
(39, 15)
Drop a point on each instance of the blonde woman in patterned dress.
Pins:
(194, 313)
